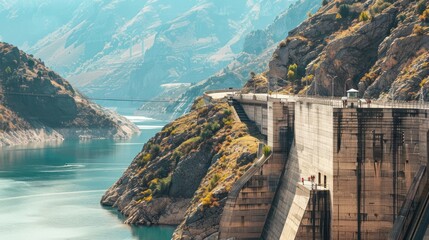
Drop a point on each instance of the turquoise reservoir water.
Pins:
(52, 191)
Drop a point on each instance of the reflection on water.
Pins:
(52, 191)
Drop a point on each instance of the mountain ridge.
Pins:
(36, 102)
(151, 42)
(237, 72)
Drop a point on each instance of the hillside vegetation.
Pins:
(184, 173)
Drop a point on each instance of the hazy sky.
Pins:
(26, 21)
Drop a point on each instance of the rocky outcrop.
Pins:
(403, 71)
(377, 47)
(349, 57)
(36, 104)
(183, 174)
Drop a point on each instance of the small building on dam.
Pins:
(338, 170)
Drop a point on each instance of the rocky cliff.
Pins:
(377, 46)
(36, 104)
(184, 173)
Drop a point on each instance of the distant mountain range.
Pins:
(117, 48)
(257, 50)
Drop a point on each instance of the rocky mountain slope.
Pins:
(116, 48)
(377, 46)
(184, 173)
(36, 104)
(255, 54)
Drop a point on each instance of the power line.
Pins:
(134, 100)
(94, 99)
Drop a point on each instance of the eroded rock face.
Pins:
(183, 182)
(350, 57)
(203, 223)
(373, 54)
(183, 175)
(303, 44)
(410, 85)
(36, 100)
(401, 57)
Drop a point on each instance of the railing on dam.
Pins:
(335, 102)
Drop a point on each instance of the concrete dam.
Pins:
(338, 170)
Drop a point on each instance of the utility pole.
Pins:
(276, 88)
(332, 84)
(315, 88)
(306, 87)
(345, 87)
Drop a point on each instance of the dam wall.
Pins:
(311, 153)
(249, 200)
(377, 152)
(364, 158)
(310, 213)
(251, 197)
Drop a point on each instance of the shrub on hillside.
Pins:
(30, 63)
(344, 10)
(292, 72)
(210, 129)
(207, 200)
(160, 186)
(307, 79)
(338, 16)
(154, 150)
(424, 17)
(8, 70)
(421, 7)
(267, 151)
(401, 17)
(177, 154)
(418, 30)
(379, 6)
(213, 181)
(364, 16)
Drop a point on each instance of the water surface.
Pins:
(52, 191)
